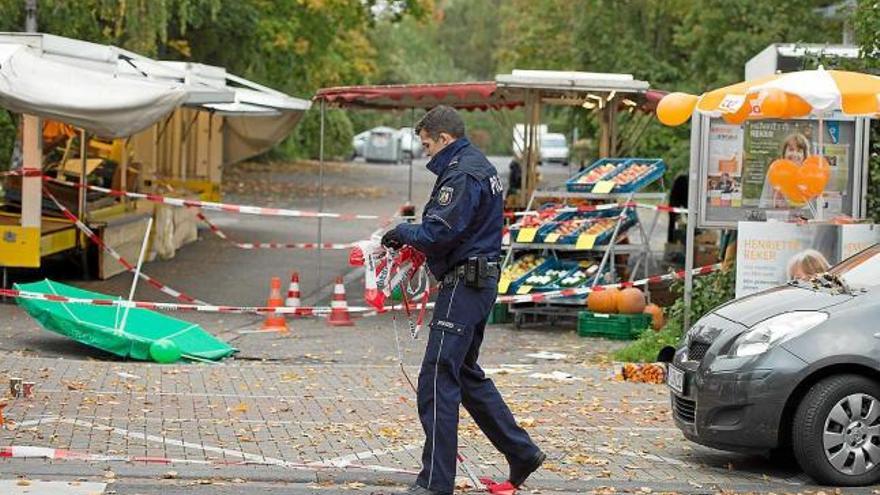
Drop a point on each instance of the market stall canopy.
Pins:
(463, 96)
(104, 89)
(570, 87)
(257, 119)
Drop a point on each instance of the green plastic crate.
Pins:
(500, 314)
(612, 326)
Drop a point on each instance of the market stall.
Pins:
(81, 103)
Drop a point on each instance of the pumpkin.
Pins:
(630, 301)
(603, 301)
(657, 317)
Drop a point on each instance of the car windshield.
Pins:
(553, 141)
(860, 271)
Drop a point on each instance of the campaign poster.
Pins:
(724, 178)
(770, 254)
(736, 180)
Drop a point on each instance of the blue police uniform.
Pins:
(462, 219)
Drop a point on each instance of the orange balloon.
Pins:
(739, 116)
(782, 173)
(742, 114)
(676, 108)
(814, 175)
(795, 193)
(796, 107)
(773, 103)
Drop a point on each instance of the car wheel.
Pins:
(836, 431)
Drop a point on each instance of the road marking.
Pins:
(178, 443)
(344, 460)
(28, 487)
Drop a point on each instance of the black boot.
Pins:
(518, 474)
(420, 490)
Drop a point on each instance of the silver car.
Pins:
(794, 369)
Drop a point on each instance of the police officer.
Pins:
(460, 235)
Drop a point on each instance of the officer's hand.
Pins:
(392, 239)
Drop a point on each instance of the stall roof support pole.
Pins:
(320, 193)
(607, 132)
(693, 215)
(83, 171)
(532, 140)
(411, 142)
(32, 159)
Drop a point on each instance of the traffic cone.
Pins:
(293, 296)
(339, 316)
(275, 322)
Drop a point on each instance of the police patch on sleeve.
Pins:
(444, 196)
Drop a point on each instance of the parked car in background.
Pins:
(554, 148)
(410, 144)
(383, 145)
(794, 369)
(358, 142)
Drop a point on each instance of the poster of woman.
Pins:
(794, 141)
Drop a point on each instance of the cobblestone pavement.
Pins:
(335, 399)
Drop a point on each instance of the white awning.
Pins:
(257, 119)
(106, 90)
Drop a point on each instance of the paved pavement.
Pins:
(335, 408)
(328, 409)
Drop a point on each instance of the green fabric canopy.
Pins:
(98, 326)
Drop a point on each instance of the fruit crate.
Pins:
(603, 238)
(500, 314)
(655, 169)
(507, 285)
(521, 285)
(576, 183)
(612, 326)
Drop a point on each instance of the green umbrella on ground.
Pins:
(147, 335)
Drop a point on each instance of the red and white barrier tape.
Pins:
(580, 291)
(31, 172)
(271, 245)
(226, 207)
(118, 257)
(322, 310)
(605, 206)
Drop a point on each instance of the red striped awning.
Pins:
(463, 96)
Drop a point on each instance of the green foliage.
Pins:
(7, 139)
(710, 291)
(305, 140)
(866, 24)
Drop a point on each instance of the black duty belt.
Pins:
(459, 272)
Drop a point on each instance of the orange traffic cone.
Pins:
(275, 322)
(293, 296)
(339, 316)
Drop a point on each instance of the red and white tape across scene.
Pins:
(227, 207)
(118, 257)
(271, 245)
(538, 297)
(605, 206)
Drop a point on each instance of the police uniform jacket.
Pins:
(464, 216)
